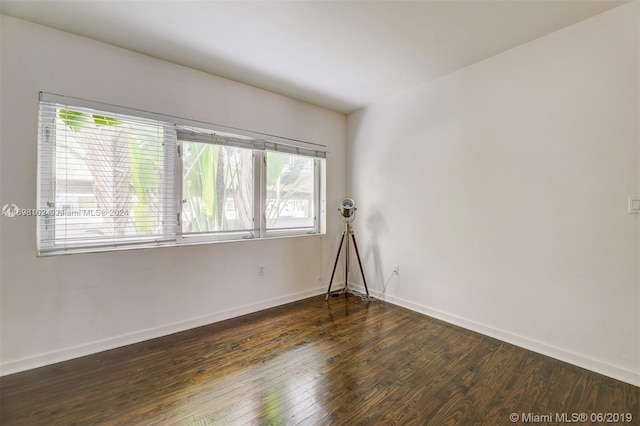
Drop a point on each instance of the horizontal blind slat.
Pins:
(181, 121)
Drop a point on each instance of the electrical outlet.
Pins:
(396, 269)
(261, 270)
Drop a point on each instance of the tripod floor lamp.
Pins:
(348, 211)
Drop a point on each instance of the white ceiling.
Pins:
(342, 55)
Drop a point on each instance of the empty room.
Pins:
(319, 212)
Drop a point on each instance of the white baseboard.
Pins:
(23, 364)
(609, 370)
(53, 357)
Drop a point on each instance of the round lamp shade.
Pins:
(347, 207)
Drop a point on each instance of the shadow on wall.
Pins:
(375, 225)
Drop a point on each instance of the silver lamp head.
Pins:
(347, 207)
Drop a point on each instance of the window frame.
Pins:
(47, 185)
(214, 236)
(281, 232)
(259, 143)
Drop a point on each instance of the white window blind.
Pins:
(223, 138)
(105, 178)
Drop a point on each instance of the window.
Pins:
(111, 177)
(290, 192)
(219, 185)
(105, 179)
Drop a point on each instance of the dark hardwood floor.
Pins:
(310, 362)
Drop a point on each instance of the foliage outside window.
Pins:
(217, 188)
(290, 190)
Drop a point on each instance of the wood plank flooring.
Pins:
(313, 363)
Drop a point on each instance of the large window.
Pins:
(112, 179)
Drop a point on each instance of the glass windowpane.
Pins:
(290, 191)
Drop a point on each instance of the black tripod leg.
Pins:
(334, 267)
(353, 237)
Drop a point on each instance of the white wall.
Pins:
(501, 191)
(56, 308)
